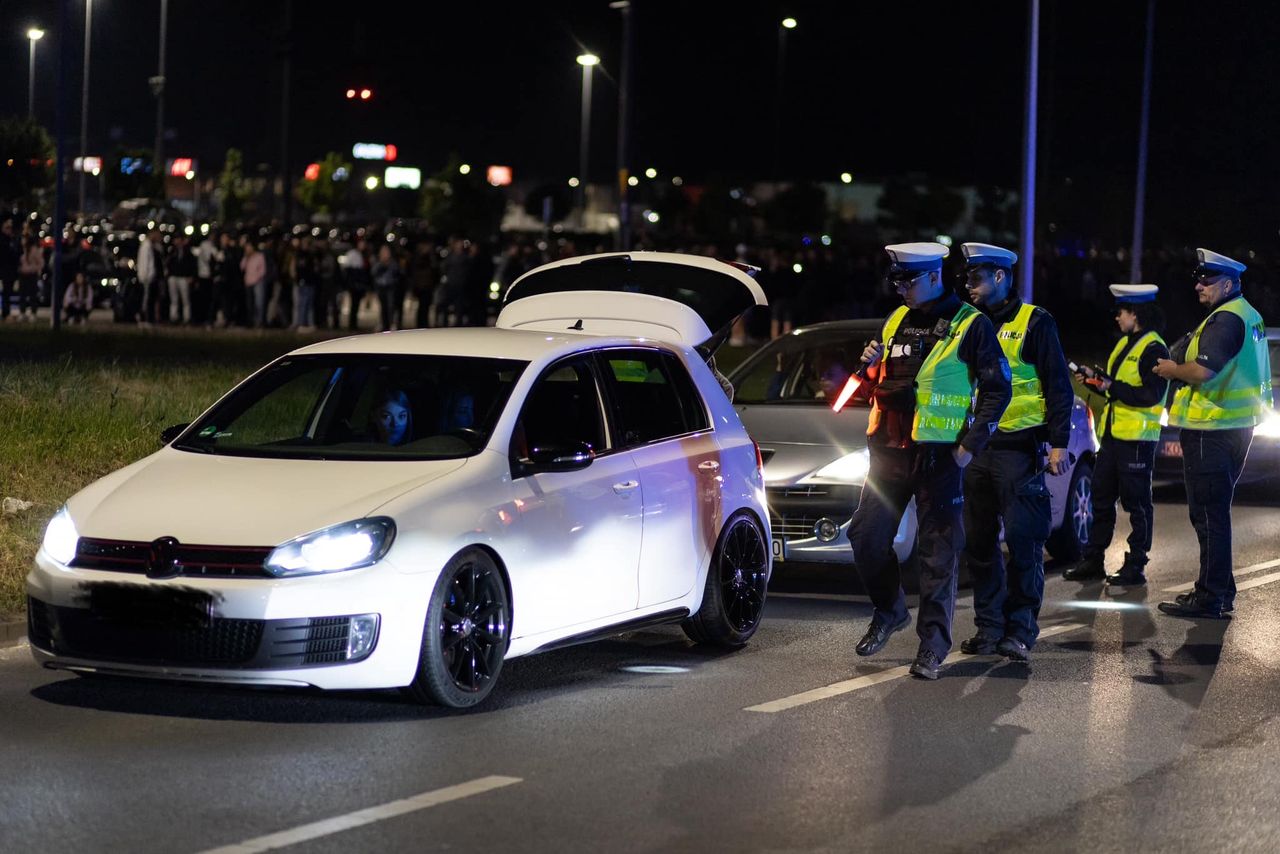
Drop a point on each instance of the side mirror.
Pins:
(570, 457)
(168, 434)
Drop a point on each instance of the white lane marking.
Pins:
(1245, 570)
(849, 685)
(20, 646)
(362, 817)
(1259, 581)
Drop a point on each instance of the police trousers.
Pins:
(928, 473)
(1123, 472)
(1005, 485)
(1211, 464)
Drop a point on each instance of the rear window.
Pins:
(653, 396)
(799, 370)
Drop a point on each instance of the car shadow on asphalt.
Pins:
(628, 662)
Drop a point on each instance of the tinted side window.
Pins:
(563, 408)
(691, 406)
(646, 400)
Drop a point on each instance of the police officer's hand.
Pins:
(1164, 368)
(1058, 461)
(1100, 383)
(961, 456)
(873, 352)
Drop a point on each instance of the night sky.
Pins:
(875, 88)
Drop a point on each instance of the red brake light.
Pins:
(759, 457)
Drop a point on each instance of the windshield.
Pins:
(799, 370)
(360, 407)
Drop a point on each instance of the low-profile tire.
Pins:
(737, 581)
(464, 640)
(1067, 543)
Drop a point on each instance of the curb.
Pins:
(11, 634)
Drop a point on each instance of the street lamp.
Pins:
(787, 24)
(588, 61)
(84, 96)
(34, 35)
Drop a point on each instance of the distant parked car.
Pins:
(816, 460)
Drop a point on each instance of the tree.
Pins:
(328, 190)
(797, 209)
(232, 193)
(454, 202)
(26, 160)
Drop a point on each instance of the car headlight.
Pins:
(851, 468)
(61, 538)
(1270, 426)
(350, 545)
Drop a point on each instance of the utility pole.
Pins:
(84, 98)
(1140, 194)
(624, 125)
(1028, 259)
(60, 162)
(157, 88)
(286, 74)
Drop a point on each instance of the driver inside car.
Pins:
(391, 418)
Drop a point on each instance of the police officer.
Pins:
(925, 427)
(1006, 481)
(1225, 391)
(1127, 430)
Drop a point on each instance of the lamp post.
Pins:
(1028, 260)
(157, 87)
(33, 35)
(588, 61)
(784, 27)
(84, 97)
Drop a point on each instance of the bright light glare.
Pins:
(326, 553)
(789, 23)
(851, 468)
(573, 182)
(945, 239)
(652, 216)
(826, 240)
(661, 669)
(633, 181)
(1106, 606)
(35, 34)
(371, 183)
(1270, 427)
(464, 169)
(651, 172)
(588, 59)
(846, 178)
(797, 267)
(189, 230)
(60, 538)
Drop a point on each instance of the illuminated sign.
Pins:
(405, 177)
(499, 176)
(312, 171)
(88, 164)
(134, 165)
(373, 151)
(180, 166)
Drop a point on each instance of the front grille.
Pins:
(189, 560)
(77, 633)
(224, 643)
(794, 510)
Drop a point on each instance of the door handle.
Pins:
(625, 487)
(709, 465)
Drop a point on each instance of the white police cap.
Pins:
(985, 253)
(917, 256)
(1216, 263)
(1130, 294)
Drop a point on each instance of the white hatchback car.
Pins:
(411, 509)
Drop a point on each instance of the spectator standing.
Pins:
(228, 282)
(253, 266)
(388, 283)
(10, 253)
(203, 302)
(328, 315)
(182, 272)
(448, 302)
(422, 281)
(306, 277)
(30, 267)
(356, 271)
(150, 272)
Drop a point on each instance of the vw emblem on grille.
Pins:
(162, 558)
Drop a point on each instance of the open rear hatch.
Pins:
(680, 299)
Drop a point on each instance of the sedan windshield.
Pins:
(799, 370)
(359, 407)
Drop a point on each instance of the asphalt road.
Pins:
(1131, 731)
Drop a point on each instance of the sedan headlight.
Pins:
(851, 468)
(61, 538)
(350, 545)
(1270, 426)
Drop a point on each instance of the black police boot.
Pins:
(1186, 598)
(1089, 569)
(878, 635)
(980, 644)
(1014, 650)
(1194, 608)
(1130, 574)
(927, 665)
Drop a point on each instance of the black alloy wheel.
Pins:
(737, 580)
(467, 629)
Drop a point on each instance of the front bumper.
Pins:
(262, 631)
